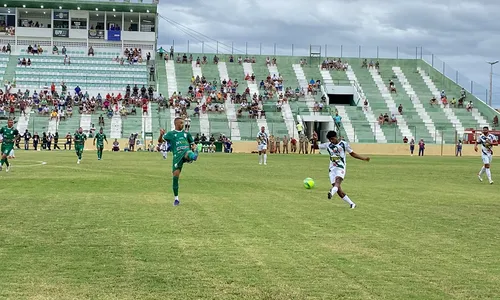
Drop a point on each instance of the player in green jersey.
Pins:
(184, 150)
(79, 138)
(9, 135)
(100, 137)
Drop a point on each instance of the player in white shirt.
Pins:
(337, 150)
(486, 140)
(164, 149)
(262, 141)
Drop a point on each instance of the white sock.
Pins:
(265, 158)
(346, 199)
(488, 173)
(176, 198)
(482, 171)
(260, 158)
(334, 190)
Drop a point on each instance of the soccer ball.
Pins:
(308, 183)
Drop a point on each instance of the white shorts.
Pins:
(336, 172)
(486, 158)
(262, 147)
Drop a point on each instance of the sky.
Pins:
(463, 34)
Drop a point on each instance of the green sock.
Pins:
(7, 162)
(80, 155)
(2, 162)
(175, 185)
(100, 153)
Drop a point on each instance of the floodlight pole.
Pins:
(491, 80)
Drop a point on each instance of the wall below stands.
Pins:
(371, 149)
(379, 149)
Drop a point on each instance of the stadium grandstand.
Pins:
(98, 64)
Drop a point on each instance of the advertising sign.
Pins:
(96, 34)
(114, 35)
(63, 32)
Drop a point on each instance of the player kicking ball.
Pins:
(9, 135)
(337, 150)
(487, 141)
(100, 137)
(183, 149)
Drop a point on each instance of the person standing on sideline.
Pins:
(27, 138)
(459, 148)
(421, 147)
(36, 140)
(301, 143)
(412, 146)
(56, 141)
(285, 144)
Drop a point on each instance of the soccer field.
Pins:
(424, 228)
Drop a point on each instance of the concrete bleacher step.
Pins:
(286, 110)
(23, 121)
(391, 105)
(172, 87)
(147, 121)
(419, 108)
(304, 84)
(115, 124)
(248, 70)
(447, 111)
(370, 117)
(230, 108)
(204, 120)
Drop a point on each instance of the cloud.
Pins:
(462, 33)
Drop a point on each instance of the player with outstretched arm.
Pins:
(184, 150)
(337, 150)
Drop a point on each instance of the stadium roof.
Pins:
(142, 6)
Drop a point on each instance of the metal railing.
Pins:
(248, 127)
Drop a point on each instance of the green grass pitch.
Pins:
(424, 228)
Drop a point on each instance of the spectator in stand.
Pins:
(91, 51)
(495, 121)
(469, 106)
(338, 121)
(55, 50)
(63, 50)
